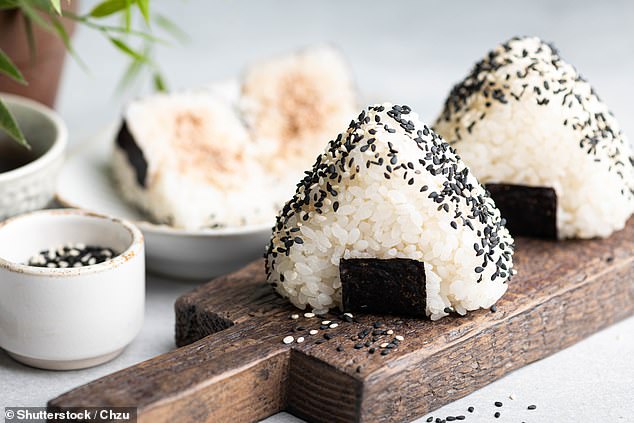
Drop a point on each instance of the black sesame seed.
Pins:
(498, 404)
(494, 308)
(470, 409)
(532, 407)
(497, 415)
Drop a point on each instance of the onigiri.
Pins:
(294, 102)
(390, 188)
(527, 123)
(187, 160)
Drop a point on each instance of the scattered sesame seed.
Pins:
(288, 340)
(300, 339)
(400, 338)
(309, 315)
(294, 316)
(313, 332)
(333, 325)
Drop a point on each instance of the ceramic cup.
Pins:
(75, 317)
(32, 185)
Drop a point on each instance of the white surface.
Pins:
(411, 52)
(72, 317)
(85, 182)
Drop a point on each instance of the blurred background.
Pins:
(409, 52)
(404, 52)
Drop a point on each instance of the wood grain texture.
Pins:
(232, 365)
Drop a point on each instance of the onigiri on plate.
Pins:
(389, 195)
(294, 102)
(535, 132)
(230, 154)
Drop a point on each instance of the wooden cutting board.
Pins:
(233, 366)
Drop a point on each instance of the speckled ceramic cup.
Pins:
(31, 186)
(74, 317)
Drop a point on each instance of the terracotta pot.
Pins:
(42, 70)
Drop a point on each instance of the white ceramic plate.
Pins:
(85, 183)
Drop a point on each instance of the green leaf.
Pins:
(30, 37)
(8, 68)
(10, 126)
(130, 75)
(63, 34)
(144, 7)
(32, 14)
(8, 4)
(84, 20)
(121, 45)
(159, 82)
(108, 7)
(169, 26)
(57, 6)
(128, 15)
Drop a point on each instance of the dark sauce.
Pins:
(14, 155)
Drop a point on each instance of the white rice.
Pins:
(376, 217)
(230, 154)
(542, 135)
(295, 103)
(203, 168)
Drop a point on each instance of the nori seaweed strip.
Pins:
(529, 211)
(125, 140)
(390, 286)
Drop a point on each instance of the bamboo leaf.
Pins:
(108, 7)
(8, 68)
(57, 6)
(159, 82)
(33, 15)
(63, 34)
(130, 75)
(128, 15)
(144, 7)
(170, 27)
(121, 45)
(110, 28)
(10, 126)
(30, 37)
(8, 4)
